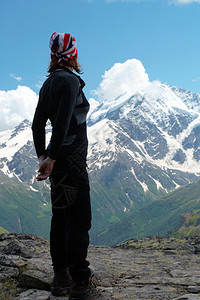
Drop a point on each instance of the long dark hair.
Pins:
(71, 63)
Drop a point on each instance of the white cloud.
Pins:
(196, 79)
(18, 78)
(16, 105)
(123, 78)
(184, 1)
(39, 84)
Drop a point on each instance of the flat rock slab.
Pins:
(149, 268)
(188, 297)
(34, 295)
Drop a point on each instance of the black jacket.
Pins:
(62, 101)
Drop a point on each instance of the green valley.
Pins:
(156, 218)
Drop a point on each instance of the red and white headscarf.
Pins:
(63, 45)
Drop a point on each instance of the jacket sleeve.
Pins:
(38, 129)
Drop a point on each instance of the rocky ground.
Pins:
(148, 268)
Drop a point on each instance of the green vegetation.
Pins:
(23, 210)
(8, 289)
(116, 194)
(2, 230)
(155, 218)
(189, 225)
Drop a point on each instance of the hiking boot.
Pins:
(61, 283)
(78, 290)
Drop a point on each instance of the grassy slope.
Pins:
(156, 218)
(2, 230)
(23, 210)
(189, 225)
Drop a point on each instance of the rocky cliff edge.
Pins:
(148, 268)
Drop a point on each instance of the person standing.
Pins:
(62, 101)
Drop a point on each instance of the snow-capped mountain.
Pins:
(158, 127)
(161, 122)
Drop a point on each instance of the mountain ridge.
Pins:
(141, 146)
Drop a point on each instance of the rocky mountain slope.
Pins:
(149, 268)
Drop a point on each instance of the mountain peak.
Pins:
(25, 124)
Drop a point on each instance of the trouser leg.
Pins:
(79, 223)
(71, 221)
(58, 247)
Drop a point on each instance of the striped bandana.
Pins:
(63, 45)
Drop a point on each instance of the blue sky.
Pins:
(162, 34)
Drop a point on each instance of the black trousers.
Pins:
(71, 215)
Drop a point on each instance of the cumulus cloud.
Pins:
(18, 78)
(184, 1)
(127, 78)
(16, 105)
